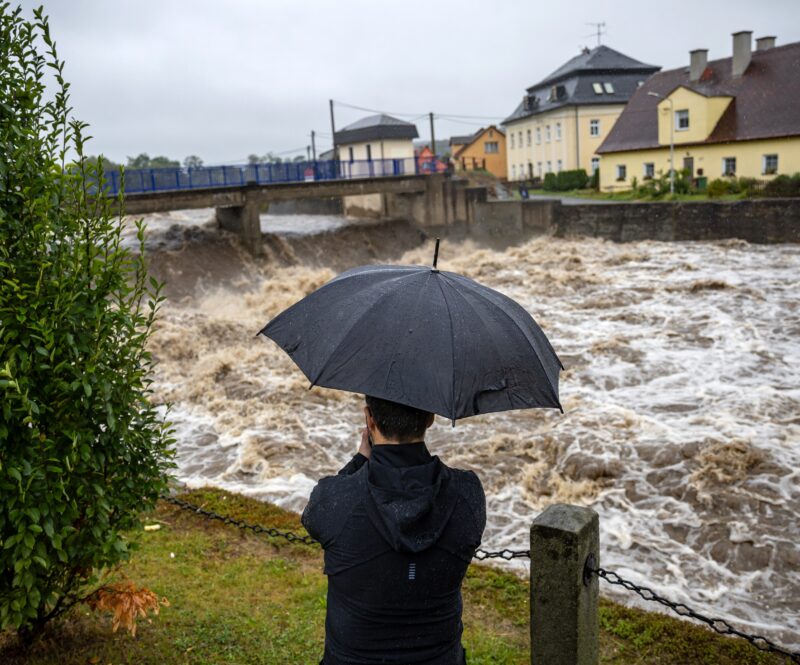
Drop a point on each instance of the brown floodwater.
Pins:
(681, 395)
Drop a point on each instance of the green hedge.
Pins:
(566, 180)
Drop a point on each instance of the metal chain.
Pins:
(308, 540)
(720, 626)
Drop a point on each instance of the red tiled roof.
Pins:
(766, 101)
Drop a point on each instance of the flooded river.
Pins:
(681, 396)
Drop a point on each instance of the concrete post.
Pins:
(245, 222)
(564, 619)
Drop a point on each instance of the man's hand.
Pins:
(365, 449)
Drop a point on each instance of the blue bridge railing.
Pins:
(170, 179)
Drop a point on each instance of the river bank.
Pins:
(240, 598)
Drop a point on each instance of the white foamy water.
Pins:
(681, 398)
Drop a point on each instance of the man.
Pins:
(399, 529)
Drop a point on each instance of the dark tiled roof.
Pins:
(576, 79)
(464, 139)
(765, 105)
(375, 127)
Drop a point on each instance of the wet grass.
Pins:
(240, 598)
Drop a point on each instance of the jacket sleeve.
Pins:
(314, 516)
(476, 500)
(353, 465)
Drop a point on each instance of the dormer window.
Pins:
(598, 88)
(682, 120)
(608, 88)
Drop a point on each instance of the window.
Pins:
(491, 147)
(639, 84)
(530, 170)
(528, 136)
(649, 170)
(682, 120)
(594, 128)
(522, 171)
(558, 166)
(547, 133)
(608, 88)
(558, 131)
(538, 135)
(520, 139)
(729, 166)
(539, 169)
(549, 166)
(622, 172)
(350, 152)
(369, 152)
(512, 139)
(598, 88)
(513, 171)
(769, 164)
(595, 164)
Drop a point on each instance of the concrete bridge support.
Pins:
(244, 221)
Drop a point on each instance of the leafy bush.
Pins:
(783, 185)
(566, 180)
(82, 448)
(594, 181)
(717, 187)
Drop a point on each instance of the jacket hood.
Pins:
(409, 502)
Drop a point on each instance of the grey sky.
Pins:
(223, 79)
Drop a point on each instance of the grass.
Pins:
(239, 598)
(629, 195)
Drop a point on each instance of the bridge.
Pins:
(410, 189)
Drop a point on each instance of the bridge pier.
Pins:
(244, 221)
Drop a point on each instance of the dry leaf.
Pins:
(126, 602)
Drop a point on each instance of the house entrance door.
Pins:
(688, 165)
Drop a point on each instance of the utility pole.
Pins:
(313, 145)
(308, 153)
(333, 132)
(433, 136)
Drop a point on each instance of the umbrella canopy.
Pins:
(437, 341)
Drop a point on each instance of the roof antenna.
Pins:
(599, 31)
(436, 255)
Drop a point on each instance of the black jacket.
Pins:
(398, 531)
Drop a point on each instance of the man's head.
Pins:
(395, 422)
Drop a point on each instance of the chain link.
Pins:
(482, 555)
(720, 626)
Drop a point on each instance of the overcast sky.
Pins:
(223, 79)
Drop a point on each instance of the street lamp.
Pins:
(671, 141)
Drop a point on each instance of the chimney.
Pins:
(765, 43)
(741, 51)
(698, 60)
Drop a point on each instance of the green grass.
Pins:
(629, 195)
(236, 597)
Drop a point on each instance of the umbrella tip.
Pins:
(436, 253)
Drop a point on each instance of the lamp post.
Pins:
(671, 141)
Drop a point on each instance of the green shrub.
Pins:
(566, 180)
(717, 188)
(82, 448)
(594, 181)
(783, 185)
(549, 183)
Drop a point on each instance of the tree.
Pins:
(82, 448)
(162, 162)
(192, 162)
(141, 161)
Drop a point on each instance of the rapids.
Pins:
(681, 395)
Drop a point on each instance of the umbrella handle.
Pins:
(436, 254)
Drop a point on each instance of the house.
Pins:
(562, 120)
(736, 116)
(427, 162)
(485, 149)
(376, 145)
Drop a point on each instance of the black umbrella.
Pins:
(437, 341)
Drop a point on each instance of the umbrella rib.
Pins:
(453, 354)
(522, 330)
(355, 323)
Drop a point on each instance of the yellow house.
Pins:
(485, 149)
(563, 119)
(736, 116)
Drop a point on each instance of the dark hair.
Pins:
(398, 421)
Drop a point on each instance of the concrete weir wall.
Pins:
(760, 221)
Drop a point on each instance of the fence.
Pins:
(139, 181)
(565, 574)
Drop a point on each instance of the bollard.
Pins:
(564, 620)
